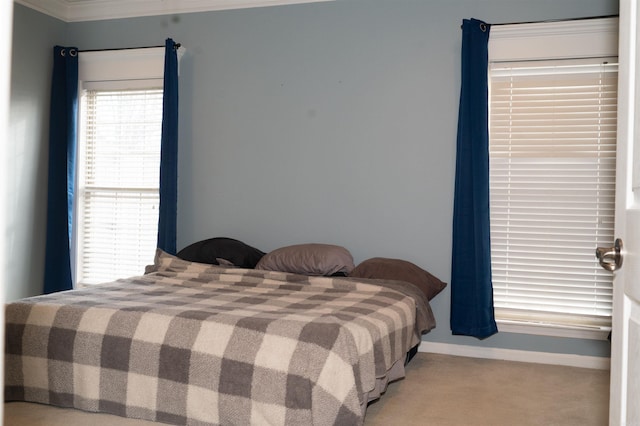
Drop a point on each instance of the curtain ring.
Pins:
(73, 52)
(63, 52)
(483, 27)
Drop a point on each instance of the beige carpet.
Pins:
(439, 390)
(443, 390)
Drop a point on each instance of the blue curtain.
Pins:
(169, 152)
(471, 289)
(61, 174)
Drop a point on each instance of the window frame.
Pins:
(574, 39)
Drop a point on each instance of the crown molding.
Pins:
(94, 10)
(55, 8)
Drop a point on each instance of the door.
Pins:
(6, 25)
(624, 408)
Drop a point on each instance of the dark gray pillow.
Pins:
(233, 251)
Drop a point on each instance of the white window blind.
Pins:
(552, 184)
(119, 179)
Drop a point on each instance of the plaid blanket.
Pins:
(198, 344)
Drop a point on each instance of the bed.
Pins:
(202, 344)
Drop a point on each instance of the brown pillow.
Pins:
(400, 270)
(308, 259)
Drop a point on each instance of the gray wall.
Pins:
(34, 36)
(329, 122)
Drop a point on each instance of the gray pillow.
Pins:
(308, 259)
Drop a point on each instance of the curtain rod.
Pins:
(175, 46)
(556, 20)
(552, 20)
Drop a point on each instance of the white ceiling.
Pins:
(93, 10)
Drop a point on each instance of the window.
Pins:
(116, 208)
(118, 182)
(552, 182)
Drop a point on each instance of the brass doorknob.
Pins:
(610, 258)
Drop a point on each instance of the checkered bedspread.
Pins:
(197, 344)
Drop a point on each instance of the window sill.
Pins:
(593, 333)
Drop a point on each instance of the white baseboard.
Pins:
(582, 361)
